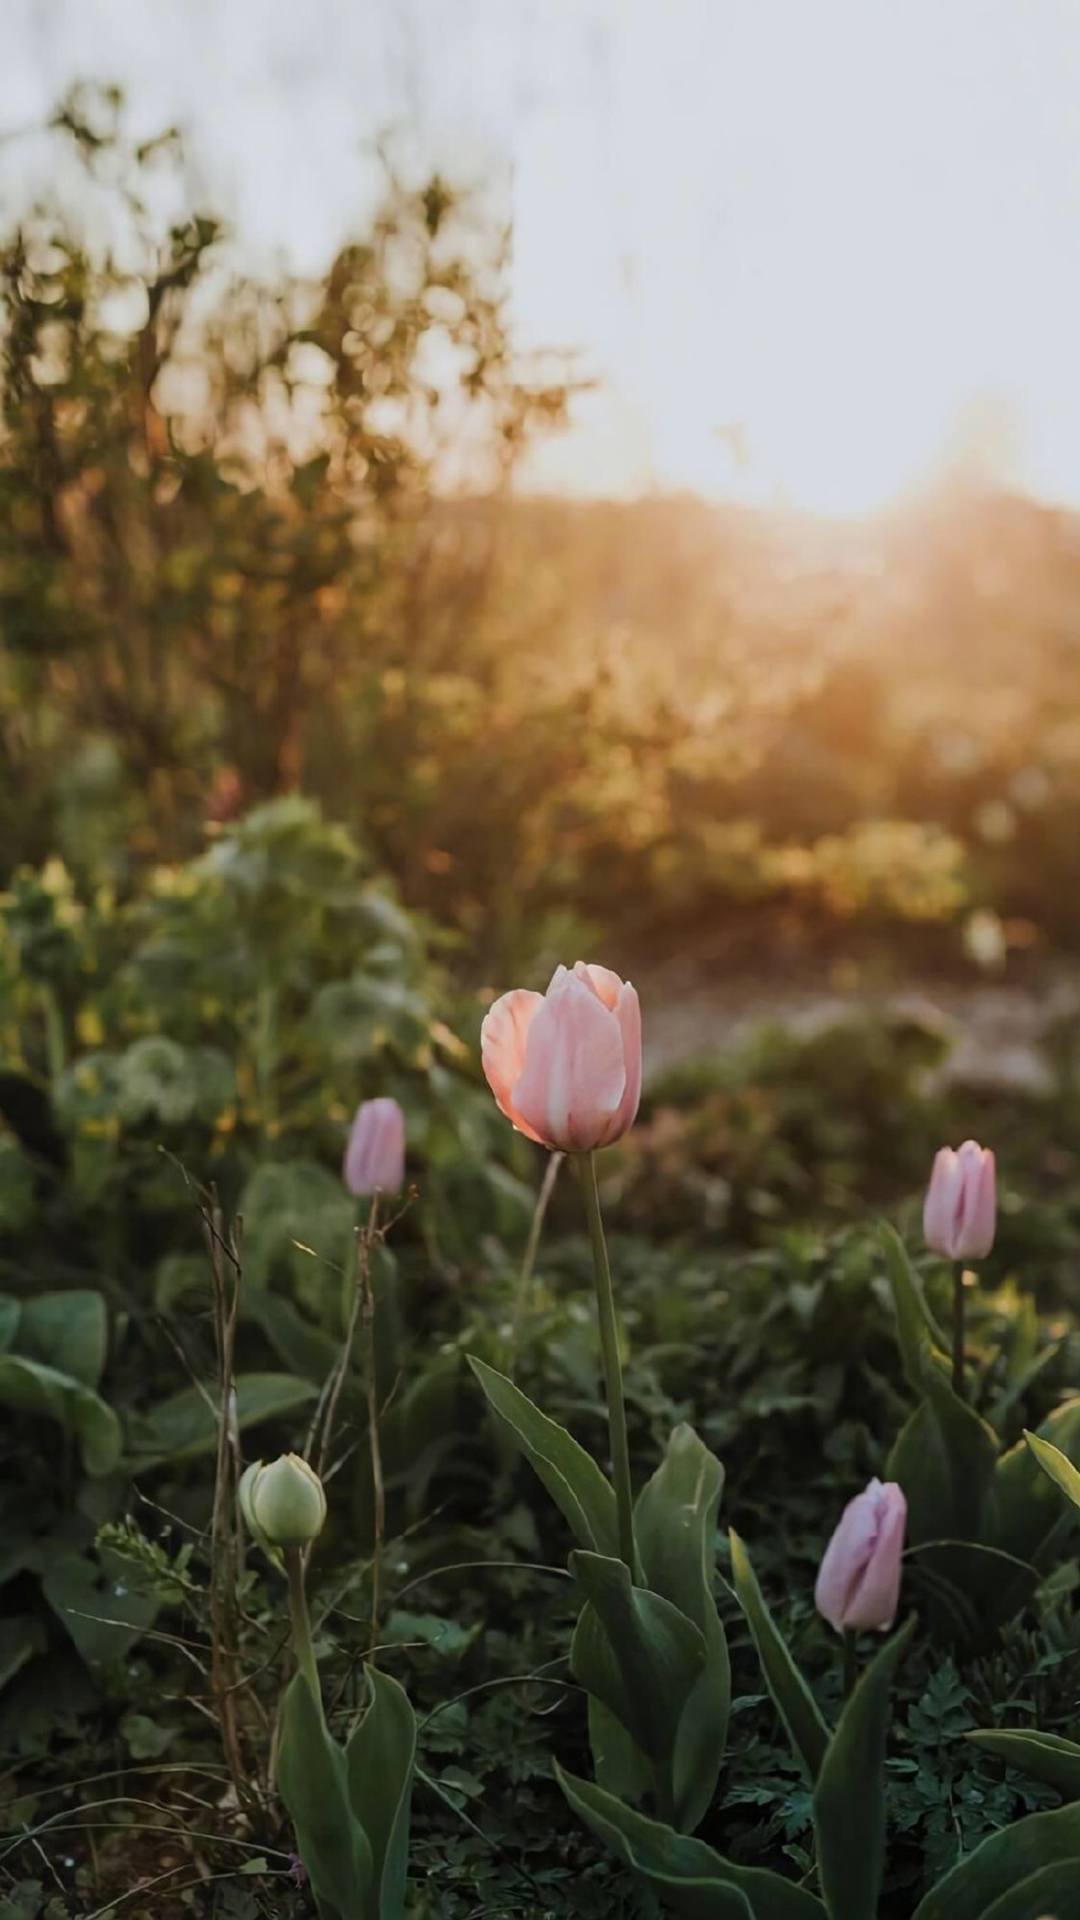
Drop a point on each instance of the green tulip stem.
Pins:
(301, 1623)
(851, 1664)
(958, 1330)
(609, 1345)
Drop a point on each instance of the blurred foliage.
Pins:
(258, 536)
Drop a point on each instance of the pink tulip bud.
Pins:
(375, 1155)
(565, 1066)
(859, 1581)
(961, 1203)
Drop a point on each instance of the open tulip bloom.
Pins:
(565, 1065)
(565, 1068)
(959, 1219)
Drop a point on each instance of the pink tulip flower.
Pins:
(565, 1065)
(859, 1581)
(961, 1203)
(375, 1155)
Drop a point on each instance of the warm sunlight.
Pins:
(813, 254)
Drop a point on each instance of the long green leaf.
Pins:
(675, 1526)
(967, 1447)
(849, 1799)
(691, 1878)
(1051, 1890)
(331, 1842)
(618, 1762)
(571, 1476)
(635, 1651)
(1045, 1756)
(915, 1324)
(1054, 1463)
(804, 1723)
(1026, 1512)
(32, 1388)
(1002, 1863)
(380, 1759)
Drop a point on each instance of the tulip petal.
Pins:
(628, 1014)
(943, 1197)
(503, 1039)
(574, 1075)
(606, 985)
(375, 1155)
(977, 1210)
(846, 1558)
(875, 1600)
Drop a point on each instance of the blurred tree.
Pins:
(216, 496)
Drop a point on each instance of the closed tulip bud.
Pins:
(565, 1066)
(960, 1213)
(859, 1581)
(283, 1504)
(375, 1155)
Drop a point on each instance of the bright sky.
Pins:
(848, 229)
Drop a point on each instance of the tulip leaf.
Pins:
(29, 1387)
(573, 1479)
(636, 1652)
(1044, 1756)
(1054, 1462)
(675, 1526)
(618, 1762)
(915, 1324)
(380, 1759)
(1050, 1890)
(804, 1723)
(312, 1776)
(1027, 1513)
(849, 1798)
(947, 1475)
(1001, 1865)
(691, 1877)
(1026, 1507)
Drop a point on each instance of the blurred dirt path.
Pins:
(997, 1031)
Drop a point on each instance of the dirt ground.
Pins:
(997, 1030)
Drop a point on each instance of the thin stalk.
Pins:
(371, 1385)
(301, 1623)
(524, 1279)
(851, 1665)
(958, 1330)
(609, 1346)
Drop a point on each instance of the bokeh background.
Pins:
(623, 469)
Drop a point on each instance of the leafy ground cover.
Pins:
(151, 1083)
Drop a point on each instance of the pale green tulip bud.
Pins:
(283, 1504)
